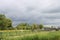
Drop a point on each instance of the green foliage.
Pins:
(23, 26)
(2, 16)
(41, 26)
(34, 26)
(5, 23)
(26, 26)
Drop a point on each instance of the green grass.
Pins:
(28, 35)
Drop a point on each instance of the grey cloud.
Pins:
(56, 10)
(31, 11)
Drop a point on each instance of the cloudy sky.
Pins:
(46, 12)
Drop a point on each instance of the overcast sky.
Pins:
(32, 11)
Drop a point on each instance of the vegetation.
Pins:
(6, 24)
(25, 31)
(28, 35)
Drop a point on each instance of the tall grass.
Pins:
(28, 35)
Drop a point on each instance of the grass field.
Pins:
(28, 35)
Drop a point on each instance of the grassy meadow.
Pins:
(29, 35)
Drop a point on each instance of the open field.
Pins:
(28, 35)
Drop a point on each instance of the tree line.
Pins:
(6, 24)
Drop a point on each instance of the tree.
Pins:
(8, 23)
(5, 23)
(40, 26)
(2, 18)
(34, 27)
(23, 26)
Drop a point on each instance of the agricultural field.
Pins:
(29, 35)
